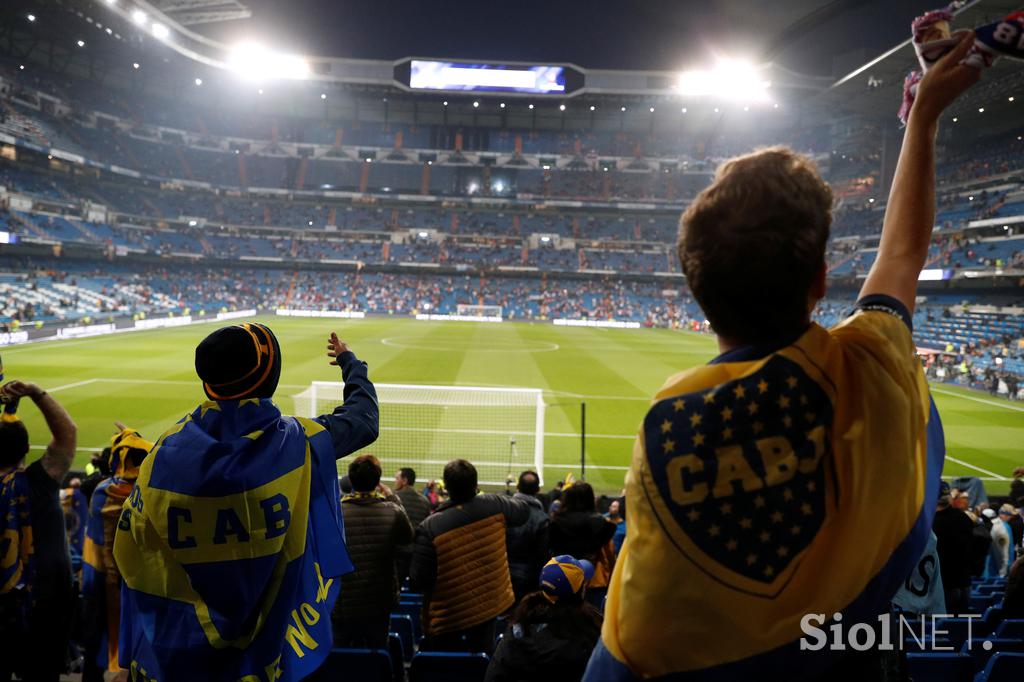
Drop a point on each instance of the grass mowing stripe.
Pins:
(957, 394)
(993, 476)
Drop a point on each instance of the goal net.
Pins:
(487, 312)
(499, 430)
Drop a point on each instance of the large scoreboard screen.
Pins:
(451, 76)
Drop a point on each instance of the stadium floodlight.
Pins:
(546, 167)
(530, 107)
(592, 107)
(323, 95)
(193, 223)
(651, 110)
(160, 32)
(502, 105)
(728, 79)
(135, 65)
(109, 31)
(21, 67)
(444, 103)
(80, 43)
(622, 108)
(476, 103)
(31, 17)
(198, 82)
(139, 17)
(260, 91)
(981, 110)
(253, 61)
(1010, 98)
(545, 239)
(955, 119)
(683, 110)
(561, 107)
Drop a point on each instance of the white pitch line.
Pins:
(996, 476)
(977, 400)
(74, 385)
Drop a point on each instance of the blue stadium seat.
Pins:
(993, 616)
(1003, 667)
(938, 667)
(365, 665)
(413, 611)
(956, 629)
(1011, 629)
(403, 625)
(397, 657)
(980, 655)
(444, 666)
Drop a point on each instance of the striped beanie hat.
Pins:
(238, 362)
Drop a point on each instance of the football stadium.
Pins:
(417, 341)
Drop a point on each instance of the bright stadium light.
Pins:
(135, 65)
(683, 110)
(592, 107)
(323, 95)
(981, 110)
(651, 110)
(31, 17)
(622, 108)
(728, 79)
(476, 104)
(502, 105)
(253, 61)
(561, 107)
(80, 43)
(139, 17)
(530, 107)
(160, 31)
(198, 82)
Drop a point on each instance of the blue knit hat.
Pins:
(565, 576)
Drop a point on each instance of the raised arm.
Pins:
(56, 461)
(355, 423)
(910, 213)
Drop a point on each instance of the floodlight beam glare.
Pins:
(253, 61)
(728, 79)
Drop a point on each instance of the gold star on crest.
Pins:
(695, 419)
(739, 392)
(782, 551)
(726, 414)
(765, 536)
(714, 530)
(787, 421)
(752, 408)
(811, 486)
(769, 571)
(698, 439)
(666, 426)
(751, 559)
(795, 530)
(726, 508)
(791, 382)
(787, 494)
(746, 523)
(806, 509)
(762, 386)
(693, 514)
(709, 397)
(783, 402)
(758, 427)
(727, 433)
(759, 501)
(668, 446)
(810, 416)
(776, 517)
(679, 404)
(731, 545)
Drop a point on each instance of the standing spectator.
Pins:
(755, 476)
(36, 594)
(617, 514)
(528, 543)
(1013, 602)
(1000, 552)
(1013, 517)
(551, 634)
(954, 539)
(460, 562)
(416, 507)
(376, 527)
(101, 579)
(432, 494)
(232, 541)
(554, 495)
(579, 530)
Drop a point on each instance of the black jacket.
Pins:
(416, 505)
(374, 530)
(528, 547)
(579, 534)
(954, 532)
(538, 652)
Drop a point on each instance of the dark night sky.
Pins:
(628, 34)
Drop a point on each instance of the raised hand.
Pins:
(335, 347)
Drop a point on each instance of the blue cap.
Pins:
(564, 576)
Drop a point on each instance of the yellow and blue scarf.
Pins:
(231, 546)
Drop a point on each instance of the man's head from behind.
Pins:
(364, 473)
(752, 246)
(460, 480)
(238, 362)
(529, 483)
(405, 477)
(13, 443)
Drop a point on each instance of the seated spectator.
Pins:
(235, 522)
(460, 563)
(433, 495)
(36, 594)
(528, 543)
(376, 527)
(577, 529)
(617, 514)
(552, 632)
(416, 507)
(101, 579)
(1013, 519)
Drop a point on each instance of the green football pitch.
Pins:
(146, 379)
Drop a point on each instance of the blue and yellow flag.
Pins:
(231, 547)
(767, 486)
(16, 549)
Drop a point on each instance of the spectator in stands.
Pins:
(617, 514)
(1012, 518)
(553, 495)
(1001, 549)
(251, 526)
(832, 414)
(101, 579)
(528, 543)
(1013, 602)
(460, 562)
(579, 530)
(954, 532)
(36, 597)
(552, 632)
(376, 526)
(433, 495)
(416, 507)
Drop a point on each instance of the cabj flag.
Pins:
(766, 486)
(16, 549)
(231, 546)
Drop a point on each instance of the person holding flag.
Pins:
(101, 579)
(232, 543)
(757, 481)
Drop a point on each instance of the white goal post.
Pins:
(499, 430)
